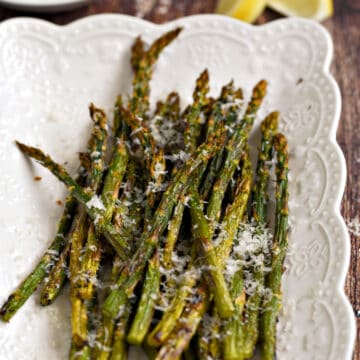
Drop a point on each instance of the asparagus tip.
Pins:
(262, 85)
(29, 150)
(98, 115)
(270, 123)
(21, 146)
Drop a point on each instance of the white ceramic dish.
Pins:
(49, 74)
(43, 6)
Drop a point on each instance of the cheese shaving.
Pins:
(95, 202)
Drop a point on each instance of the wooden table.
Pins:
(345, 29)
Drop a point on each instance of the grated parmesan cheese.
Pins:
(95, 154)
(95, 202)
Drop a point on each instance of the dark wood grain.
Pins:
(345, 30)
(344, 26)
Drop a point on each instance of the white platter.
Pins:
(48, 76)
(43, 6)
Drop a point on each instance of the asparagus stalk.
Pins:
(119, 350)
(137, 53)
(234, 214)
(142, 321)
(259, 206)
(173, 234)
(192, 132)
(96, 152)
(166, 321)
(154, 183)
(112, 331)
(202, 234)
(218, 116)
(92, 253)
(268, 325)
(193, 111)
(229, 114)
(89, 265)
(119, 163)
(78, 311)
(32, 281)
(259, 194)
(235, 211)
(235, 148)
(120, 346)
(56, 278)
(233, 340)
(113, 179)
(104, 340)
(163, 329)
(97, 146)
(157, 174)
(128, 212)
(143, 65)
(133, 271)
(82, 196)
(107, 335)
(105, 331)
(185, 328)
(231, 222)
(142, 62)
(215, 346)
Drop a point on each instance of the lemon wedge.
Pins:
(312, 9)
(245, 10)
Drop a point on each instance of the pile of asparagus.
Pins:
(153, 240)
